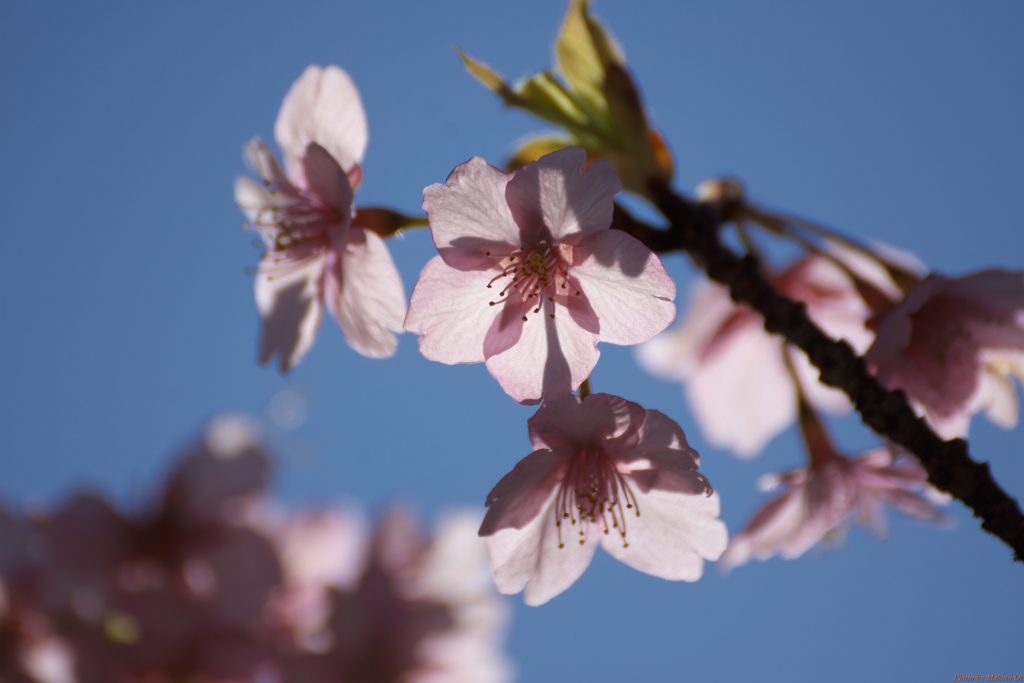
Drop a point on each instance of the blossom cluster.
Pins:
(211, 581)
(531, 275)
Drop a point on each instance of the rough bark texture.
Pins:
(694, 228)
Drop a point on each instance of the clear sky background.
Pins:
(127, 320)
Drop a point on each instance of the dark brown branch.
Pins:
(694, 229)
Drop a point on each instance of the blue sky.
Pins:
(128, 318)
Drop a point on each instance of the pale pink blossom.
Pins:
(737, 379)
(952, 344)
(423, 610)
(605, 471)
(320, 552)
(530, 278)
(314, 256)
(818, 500)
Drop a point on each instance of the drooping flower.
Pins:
(422, 610)
(605, 471)
(737, 380)
(530, 278)
(314, 256)
(819, 499)
(952, 344)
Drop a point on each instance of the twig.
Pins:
(694, 228)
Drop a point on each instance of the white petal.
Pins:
(469, 215)
(742, 395)
(531, 558)
(323, 106)
(451, 309)
(554, 193)
(370, 303)
(254, 199)
(676, 354)
(627, 286)
(289, 304)
(771, 534)
(672, 536)
(262, 160)
(997, 396)
(550, 360)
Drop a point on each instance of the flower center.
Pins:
(294, 231)
(594, 491)
(538, 274)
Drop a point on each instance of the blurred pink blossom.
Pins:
(30, 651)
(605, 471)
(314, 256)
(212, 582)
(320, 551)
(422, 610)
(178, 589)
(817, 500)
(530, 278)
(736, 377)
(954, 344)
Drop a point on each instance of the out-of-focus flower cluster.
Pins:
(212, 582)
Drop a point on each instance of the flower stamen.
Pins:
(595, 489)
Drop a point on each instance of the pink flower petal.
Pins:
(599, 419)
(289, 305)
(326, 179)
(671, 536)
(469, 216)
(678, 353)
(550, 360)
(531, 557)
(322, 106)
(743, 396)
(255, 200)
(365, 295)
(895, 327)
(997, 395)
(519, 496)
(261, 160)
(451, 310)
(779, 519)
(626, 285)
(671, 463)
(556, 199)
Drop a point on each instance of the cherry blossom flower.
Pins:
(605, 471)
(737, 381)
(953, 344)
(423, 610)
(818, 499)
(314, 256)
(530, 278)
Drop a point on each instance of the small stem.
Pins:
(903, 278)
(815, 435)
(875, 298)
(384, 221)
(584, 389)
